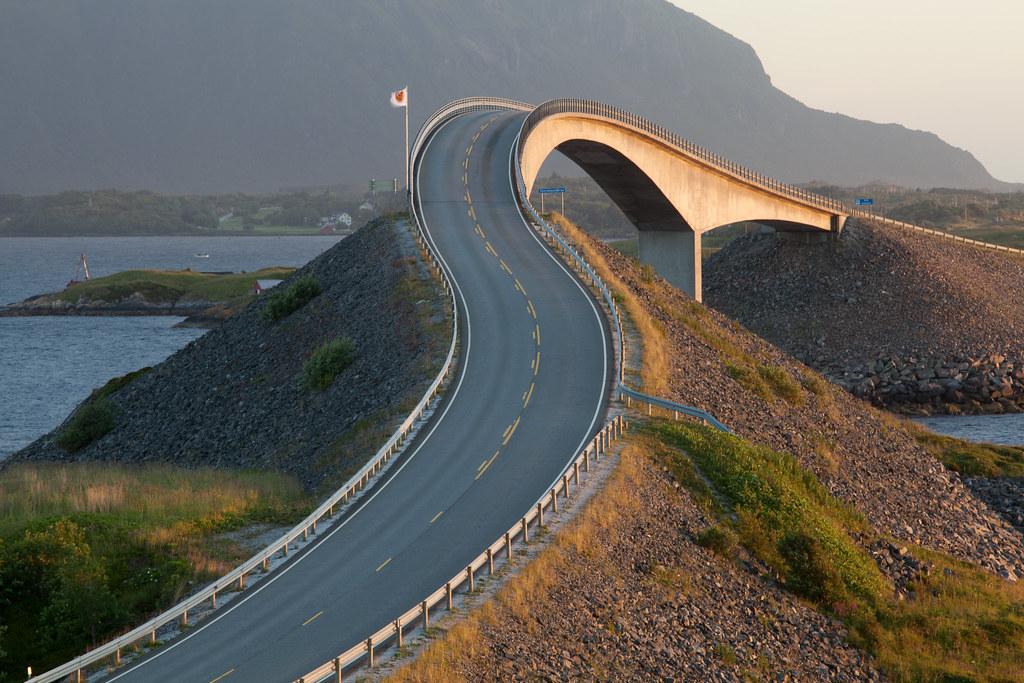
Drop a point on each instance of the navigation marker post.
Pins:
(552, 190)
(400, 98)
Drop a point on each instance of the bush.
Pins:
(326, 363)
(718, 539)
(284, 303)
(92, 421)
(811, 573)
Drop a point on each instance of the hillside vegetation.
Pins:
(171, 286)
(87, 550)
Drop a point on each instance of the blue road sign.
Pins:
(864, 201)
(551, 190)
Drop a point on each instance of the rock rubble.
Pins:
(907, 321)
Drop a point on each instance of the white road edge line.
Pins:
(336, 528)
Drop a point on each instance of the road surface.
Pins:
(530, 391)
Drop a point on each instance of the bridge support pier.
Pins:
(675, 255)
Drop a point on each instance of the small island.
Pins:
(204, 299)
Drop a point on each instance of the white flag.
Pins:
(400, 98)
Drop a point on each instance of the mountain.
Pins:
(251, 95)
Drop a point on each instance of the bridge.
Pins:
(525, 408)
(672, 190)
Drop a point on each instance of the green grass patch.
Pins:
(327, 362)
(171, 286)
(281, 304)
(962, 624)
(87, 550)
(781, 384)
(94, 419)
(719, 539)
(750, 379)
(972, 459)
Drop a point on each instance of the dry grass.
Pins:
(656, 365)
(446, 659)
(149, 496)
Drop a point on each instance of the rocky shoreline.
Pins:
(909, 322)
(991, 384)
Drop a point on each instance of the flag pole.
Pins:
(406, 142)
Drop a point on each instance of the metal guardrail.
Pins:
(679, 144)
(112, 651)
(936, 233)
(394, 631)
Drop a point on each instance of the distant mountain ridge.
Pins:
(256, 95)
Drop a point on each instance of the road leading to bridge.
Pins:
(530, 392)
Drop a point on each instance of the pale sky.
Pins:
(952, 67)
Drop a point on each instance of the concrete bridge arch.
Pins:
(671, 190)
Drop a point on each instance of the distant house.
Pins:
(345, 219)
(261, 286)
(328, 229)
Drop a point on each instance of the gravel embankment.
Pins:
(907, 321)
(234, 397)
(860, 454)
(655, 606)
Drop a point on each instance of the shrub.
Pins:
(284, 303)
(782, 385)
(326, 363)
(118, 383)
(718, 539)
(92, 421)
(811, 573)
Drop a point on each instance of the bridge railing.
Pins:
(679, 144)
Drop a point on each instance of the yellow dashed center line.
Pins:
(511, 431)
(313, 618)
(480, 231)
(529, 395)
(383, 564)
(536, 367)
(519, 285)
(435, 517)
(223, 675)
(490, 249)
(465, 163)
(531, 309)
(486, 463)
(504, 266)
(537, 329)
(472, 213)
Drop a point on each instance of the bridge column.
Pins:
(675, 255)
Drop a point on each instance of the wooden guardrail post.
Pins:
(469, 575)
(508, 547)
(426, 614)
(213, 600)
(540, 514)
(576, 473)
(554, 499)
(241, 581)
(117, 657)
(448, 591)
(586, 459)
(398, 632)
(369, 651)
(526, 531)
(184, 618)
(337, 670)
(490, 562)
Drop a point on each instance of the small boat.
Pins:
(200, 255)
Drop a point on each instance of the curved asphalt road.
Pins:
(505, 432)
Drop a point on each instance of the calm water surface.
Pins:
(49, 364)
(1002, 429)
